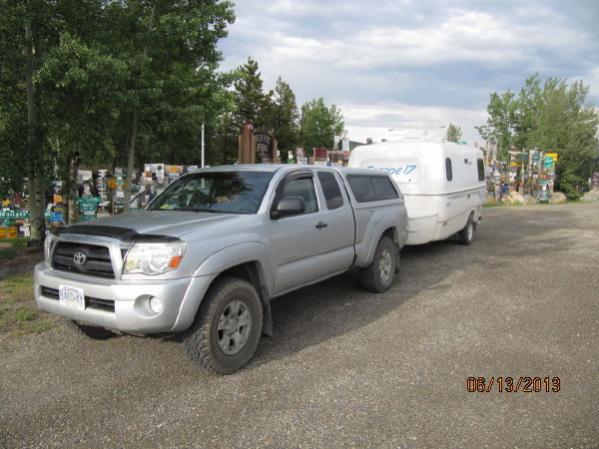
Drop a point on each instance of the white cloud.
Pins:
(592, 79)
(381, 121)
(464, 36)
(412, 64)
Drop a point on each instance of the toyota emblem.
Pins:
(79, 258)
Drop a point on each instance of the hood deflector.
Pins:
(124, 234)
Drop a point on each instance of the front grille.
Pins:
(91, 303)
(97, 259)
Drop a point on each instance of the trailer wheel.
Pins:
(466, 235)
(378, 276)
(226, 331)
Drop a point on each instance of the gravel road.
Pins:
(351, 369)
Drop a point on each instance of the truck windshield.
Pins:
(218, 192)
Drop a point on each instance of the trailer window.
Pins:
(481, 169)
(448, 169)
(331, 190)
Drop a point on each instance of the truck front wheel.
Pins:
(378, 276)
(226, 331)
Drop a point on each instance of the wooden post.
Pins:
(275, 151)
(246, 153)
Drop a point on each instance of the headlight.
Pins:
(154, 258)
(48, 246)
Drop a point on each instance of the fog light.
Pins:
(156, 305)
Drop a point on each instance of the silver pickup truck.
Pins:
(207, 255)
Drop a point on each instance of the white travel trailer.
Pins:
(443, 184)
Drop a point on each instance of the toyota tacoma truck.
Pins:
(207, 256)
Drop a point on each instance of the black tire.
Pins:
(93, 332)
(373, 277)
(466, 235)
(202, 342)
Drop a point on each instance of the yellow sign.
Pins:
(515, 164)
(552, 156)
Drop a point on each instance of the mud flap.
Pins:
(267, 329)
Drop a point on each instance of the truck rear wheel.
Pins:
(378, 276)
(226, 331)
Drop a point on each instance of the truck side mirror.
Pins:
(290, 205)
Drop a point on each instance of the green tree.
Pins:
(275, 110)
(319, 125)
(282, 116)
(454, 133)
(550, 116)
(89, 77)
(501, 122)
(28, 30)
(249, 99)
(82, 91)
(566, 124)
(170, 48)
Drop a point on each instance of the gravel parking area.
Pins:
(353, 369)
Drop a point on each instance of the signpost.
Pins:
(14, 214)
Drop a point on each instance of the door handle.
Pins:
(321, 225)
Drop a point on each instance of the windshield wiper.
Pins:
(213, 211)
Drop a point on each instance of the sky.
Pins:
(402, 64)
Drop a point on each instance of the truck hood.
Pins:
(165, 223)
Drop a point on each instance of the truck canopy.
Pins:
(423, 167)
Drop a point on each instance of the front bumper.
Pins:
(128, 300)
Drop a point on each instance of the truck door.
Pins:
(300, 248)
(341, 230)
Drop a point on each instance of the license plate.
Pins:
(71, 296)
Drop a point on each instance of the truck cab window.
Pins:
(304, 188)
(330, 187)
(448, 169)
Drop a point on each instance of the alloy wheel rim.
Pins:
(234, 326)
(385, 265)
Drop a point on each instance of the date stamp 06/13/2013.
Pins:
(513, 384)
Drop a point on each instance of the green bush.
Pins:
(569, 184)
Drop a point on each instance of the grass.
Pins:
(18, 312)
(9, 248)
